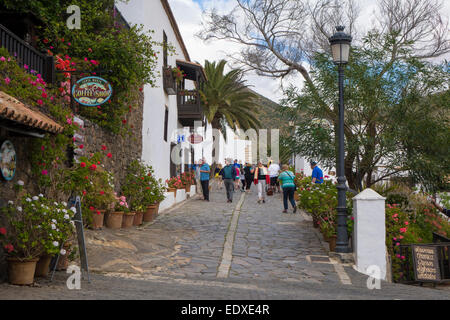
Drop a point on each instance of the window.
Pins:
(165, 48)
(166, 123)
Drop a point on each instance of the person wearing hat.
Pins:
(317, 173)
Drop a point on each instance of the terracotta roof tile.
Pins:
(13, 109)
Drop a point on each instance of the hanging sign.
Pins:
(195, 138)
(7, 160)
(91, 91)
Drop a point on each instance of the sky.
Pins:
(188, 14)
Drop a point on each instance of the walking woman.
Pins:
(261, 180)
(248, 174)
(286, 178)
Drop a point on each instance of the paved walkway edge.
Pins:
(227, 255)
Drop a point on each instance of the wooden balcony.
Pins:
(189, 107)
(169, 83)
(26, 54)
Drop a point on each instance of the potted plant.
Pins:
(58, 228)
(94, 185)
(114, 219)
(133, 189)
(178, 74)
(128, 216)
(173, 184)
(21, 238)
(186, 179)
(153, 195)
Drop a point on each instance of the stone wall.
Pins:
(22, 145)
(124, 148)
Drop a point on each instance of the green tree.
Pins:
(228, 100)
(395, 116)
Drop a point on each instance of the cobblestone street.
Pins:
(217, 250)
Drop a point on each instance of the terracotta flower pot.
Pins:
(114, 220)
(188, 188)
(138, 218)
(174, 190)
(21, 272)
(332, 243)
(98, 219)
(63, 261)
(150, 214)
(128, 219)
(43, 266)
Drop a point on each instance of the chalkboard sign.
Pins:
(426, 263)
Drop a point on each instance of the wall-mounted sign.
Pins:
(195, 138)
(7, 160)
(426, 264)
(91, 91)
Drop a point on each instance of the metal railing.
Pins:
(27, 55)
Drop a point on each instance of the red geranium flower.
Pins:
(84, 192)
(102, 192)
(93, 167)
(91, 208)
(103, 147)
(109, 155)
(9, 247)
(81, 146)
(124, 121)
(83, 165)
(2, 231)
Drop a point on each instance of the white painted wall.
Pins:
(156, 151)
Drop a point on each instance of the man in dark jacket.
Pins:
(228, 176)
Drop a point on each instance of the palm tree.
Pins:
(228, 101)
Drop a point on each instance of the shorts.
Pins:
(274, 181)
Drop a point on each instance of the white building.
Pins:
(168, 108)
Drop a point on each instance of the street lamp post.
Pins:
(340, 48)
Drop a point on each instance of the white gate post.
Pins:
(370, 232)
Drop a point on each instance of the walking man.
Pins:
(204, 179)
(248, 173)
(287, 182)
(274, 171)
(229, 175)
(317, 174)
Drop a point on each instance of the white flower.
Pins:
(19, 209)
(66, 216)
(58, 210)
(57, 230)
(63, 252)
(64, 204)
(74, 210)
(64, 210)
(41, 195)
(55, 243)
(73, 223)
(20, 183)
(54, 221)
(28, 199)
(45, 213)
(55, 203)
(10, 202)
(35, 198)
(53, 226)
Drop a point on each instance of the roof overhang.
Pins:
(18, 116)
(190, 69)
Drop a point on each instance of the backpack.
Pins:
(228, 172)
